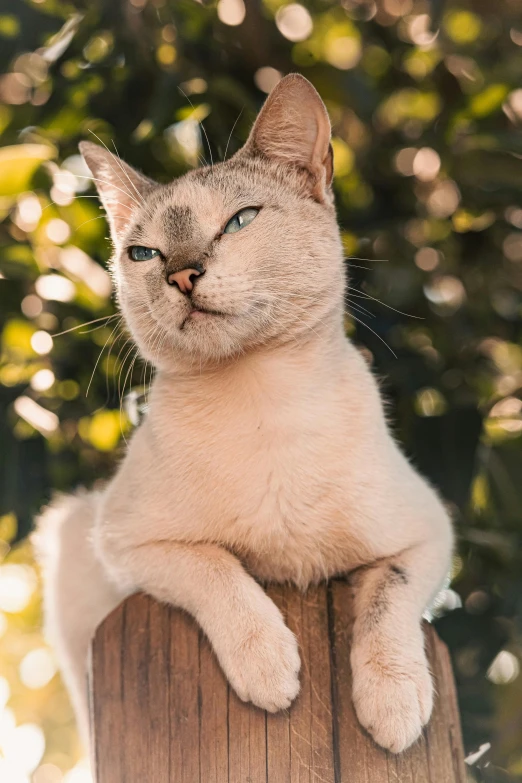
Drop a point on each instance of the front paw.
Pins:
(393, 700)
(263, 666)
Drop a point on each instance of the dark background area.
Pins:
(426, 105)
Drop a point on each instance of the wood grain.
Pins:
(162, 711)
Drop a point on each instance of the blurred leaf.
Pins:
(489, 100)
(18, 164)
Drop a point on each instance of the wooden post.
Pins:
(162, 711)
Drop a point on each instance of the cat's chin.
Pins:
(207, 336)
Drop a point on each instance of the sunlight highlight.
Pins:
(17, 585)
(46, 422)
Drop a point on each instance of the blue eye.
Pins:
(240, 220)
(139, 253)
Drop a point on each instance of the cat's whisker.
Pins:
(375, 333)
(144, 369)
(94, 329)
(156, 336)
(360, 309)
(98, 359)
(129, 371)
(77, 195)
(231, 132)
(113, 187)
(122, 366)
(358, 306)
(140, 197)
(371, 260)
(117, 360)
(88, 323)
(99, 217)
(202, 128)
(364, 295)
(114, 341)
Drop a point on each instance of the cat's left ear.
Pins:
(121, 188)
(293, 127)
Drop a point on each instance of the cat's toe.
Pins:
(266, 669)
(393, 708)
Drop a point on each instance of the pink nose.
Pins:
(183, 278)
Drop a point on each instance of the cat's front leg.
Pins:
(256, 650)
(392, 685)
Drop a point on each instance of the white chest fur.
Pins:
(275, 469)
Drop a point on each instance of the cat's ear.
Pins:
(293, 127)
(121, 188)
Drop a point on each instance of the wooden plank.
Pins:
(246, 742)
(183, 679)
(436, 757)
(360, 760)
(278, 730)
(105, 689)
(310, 717)
(162, 710)
(213, 717)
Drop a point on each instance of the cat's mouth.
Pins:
(201, 314)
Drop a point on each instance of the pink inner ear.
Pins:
(293, 125)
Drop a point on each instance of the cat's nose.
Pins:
(184, 278)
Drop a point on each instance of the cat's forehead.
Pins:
(197, 204)
(178, 205)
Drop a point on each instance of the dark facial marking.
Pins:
(136, 236)
(178, 223)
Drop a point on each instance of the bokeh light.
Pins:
(42, 380)
(17, 583)
(294, 22)
(231, 12)
(37, 668)
(56, 287)
(266, 78)
(42, 342)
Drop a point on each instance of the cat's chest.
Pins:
(273, 491)
(254, 468)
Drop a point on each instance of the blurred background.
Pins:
(426, 102)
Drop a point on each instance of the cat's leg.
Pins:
(77, 594)
(256, 650)
(392, 685)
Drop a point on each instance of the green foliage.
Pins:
(425, 106)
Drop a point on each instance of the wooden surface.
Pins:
(162, 711)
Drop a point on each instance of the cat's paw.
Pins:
(264, 667)
(393, 703)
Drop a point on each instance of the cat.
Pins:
(265, 454)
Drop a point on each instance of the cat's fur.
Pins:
(265, 454)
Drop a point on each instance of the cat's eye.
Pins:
(240, 220)
(139, 253)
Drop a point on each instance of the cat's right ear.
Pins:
(121, 188)
(293, 127)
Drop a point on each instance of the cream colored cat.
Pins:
(265, 455)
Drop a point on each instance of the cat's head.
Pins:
(235, 255)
